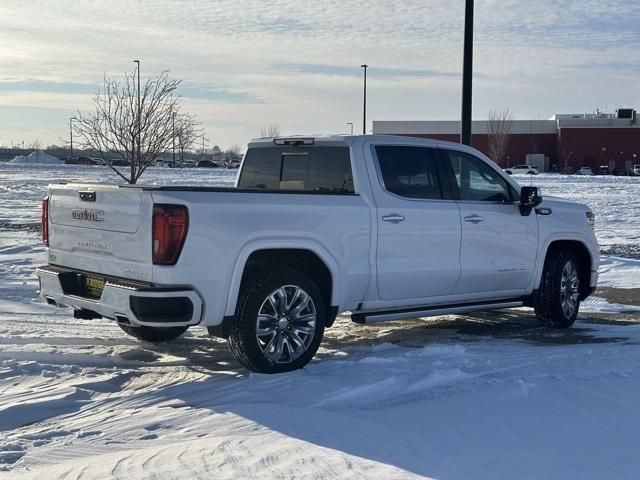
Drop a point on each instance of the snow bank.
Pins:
(38, 157)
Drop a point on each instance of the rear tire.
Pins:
(558, 298)
(154, 334)
(279, 322)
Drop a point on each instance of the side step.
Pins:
(418, 312)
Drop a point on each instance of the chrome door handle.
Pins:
(393, 218)
(473, 219)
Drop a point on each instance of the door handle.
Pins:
(473, 219)
(393, 218)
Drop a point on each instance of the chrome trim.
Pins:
(385, 317)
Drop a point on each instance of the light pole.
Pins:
(467, 74)
(173, 140)
(139, 112)
(364, 103)
(71, 137)
(351, 125)
(203, 139)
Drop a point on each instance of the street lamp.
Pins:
(203, 139)
(173, 140)
(364, 103)
(351, 125)
(139, 113)
(467, 75)
(71, 136)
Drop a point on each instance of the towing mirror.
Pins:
(529, 199)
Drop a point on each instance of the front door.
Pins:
(499, 245)
(418, 228)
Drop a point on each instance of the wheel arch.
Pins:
(307, 257)
(583, 255)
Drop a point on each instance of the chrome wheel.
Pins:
(286, 324)
(569, 289)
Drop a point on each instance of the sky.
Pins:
(245, 64)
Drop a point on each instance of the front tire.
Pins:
(558, 299)
(153, 334)
(279, 322)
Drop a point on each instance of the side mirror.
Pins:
(529, 199)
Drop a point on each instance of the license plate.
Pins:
(93, 286)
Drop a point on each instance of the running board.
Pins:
(419, 312)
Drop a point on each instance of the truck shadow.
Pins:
(211, 355)
(310, 405)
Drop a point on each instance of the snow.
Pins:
(37, 157)
(619, 272)
(482, 396)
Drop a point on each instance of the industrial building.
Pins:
(564, 141)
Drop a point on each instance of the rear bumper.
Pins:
(135, 303)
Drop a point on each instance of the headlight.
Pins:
(591, 218)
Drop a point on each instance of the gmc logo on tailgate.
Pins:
(87, 215)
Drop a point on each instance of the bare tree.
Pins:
(271, 130)
(187, 130)
(499, 133)
(235, 150)
(135, 137)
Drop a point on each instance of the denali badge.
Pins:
(88, 215)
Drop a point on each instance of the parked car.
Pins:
(522, 169)
(313, 229)
(584, 171)
(636, 169)
(207, 164)
(603, 170)
(233, 163)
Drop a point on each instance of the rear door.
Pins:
(499, 245)
(418, 227)
(101, 228)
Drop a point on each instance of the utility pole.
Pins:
(71, 137)
(173, 140)
(139, 121)
(351, 125)
(364, 104)
(467, 74)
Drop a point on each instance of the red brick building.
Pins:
(575, 140)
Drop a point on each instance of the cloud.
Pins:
(247, 63)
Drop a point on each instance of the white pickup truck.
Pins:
(383, 227)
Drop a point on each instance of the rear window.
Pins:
(313, 169)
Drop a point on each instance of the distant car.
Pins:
(520, 169)
(603, 170)
(207, 164)
(235, 163)
(584, 171)
(636, 169)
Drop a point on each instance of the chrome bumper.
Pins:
(134, 303)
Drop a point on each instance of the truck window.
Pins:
(409, 171)
(314, 169)
(476, 181)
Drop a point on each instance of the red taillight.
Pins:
(45, 222)
(170, 224)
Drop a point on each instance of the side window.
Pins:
(409, 171)
(315, 169)
(477, 181)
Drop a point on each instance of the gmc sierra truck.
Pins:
(383, 227)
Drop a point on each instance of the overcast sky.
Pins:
(296, 63)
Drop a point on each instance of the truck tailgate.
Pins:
(101, 228)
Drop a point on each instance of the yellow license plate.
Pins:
(94, 285)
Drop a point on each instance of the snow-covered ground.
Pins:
(488, 395)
